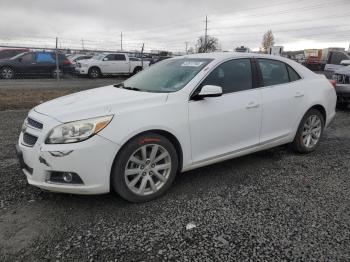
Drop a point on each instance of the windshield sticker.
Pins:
(192, 63)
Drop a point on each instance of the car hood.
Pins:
(99, 102)
(88, 61)
(343, 71)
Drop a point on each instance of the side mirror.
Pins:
(345, 62)
(209, 91)
(105, 59)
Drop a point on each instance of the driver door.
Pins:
(229, 123)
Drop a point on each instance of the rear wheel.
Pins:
(145, 168)
(137, 70)
(54, 73)
(94, 72)
(7, 73)
(309, 132)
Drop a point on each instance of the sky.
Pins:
(169, 24)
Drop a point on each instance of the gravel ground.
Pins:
(27, 93)
(273, 205)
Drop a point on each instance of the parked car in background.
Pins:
(34, 64)
(180, 114)
(158, 59)
(6, 53)
(109, 64)
(342, 78)
(334, 60)
(77, 57)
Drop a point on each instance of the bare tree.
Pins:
(268, 41)
(207, 45)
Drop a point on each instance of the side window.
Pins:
(120, 57)
(110, 57)
(293, 76)
(28, 58)
(337, 57)
(44, 58)
(273, 72)
(232, 76)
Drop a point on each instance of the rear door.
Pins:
(282, 99)
(123, 64)
(45, 63)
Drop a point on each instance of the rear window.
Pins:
(44, 58)
(273, 72)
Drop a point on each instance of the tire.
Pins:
(137, 70)
(54, 74)
(132, 171)
(309, 132)
(94, 72)
(7, 73)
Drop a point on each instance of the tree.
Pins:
(210, 45)
(268, 41)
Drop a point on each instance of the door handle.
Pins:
(252, 105)
(299, 94)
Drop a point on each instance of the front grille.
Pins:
(29, 140)
(33, 123)
(343, 79)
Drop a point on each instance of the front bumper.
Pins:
(343, 92)
(81, 70)
(91, 159)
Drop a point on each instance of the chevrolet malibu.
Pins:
(180, 114)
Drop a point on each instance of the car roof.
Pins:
(222, 56)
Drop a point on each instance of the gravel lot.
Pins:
(273, 205)
(27, 93)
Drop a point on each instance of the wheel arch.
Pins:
(137, 67)
(172, 138)
(321, 109)
(94, 66)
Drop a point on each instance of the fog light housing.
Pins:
(65, 178)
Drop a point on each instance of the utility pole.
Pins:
(82, 44)
(57, 66)
(206, 34)
(121, 41)
(186, 47)
(142, 49)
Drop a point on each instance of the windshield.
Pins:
(17, 56)
(167, 76)
(98, 57)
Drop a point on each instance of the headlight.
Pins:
(78, 130)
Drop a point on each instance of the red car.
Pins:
(6, 53)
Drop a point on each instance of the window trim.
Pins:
(254, 74)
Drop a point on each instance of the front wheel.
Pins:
(94, 72)
(309, 132)
(7, 73)
(145, 168)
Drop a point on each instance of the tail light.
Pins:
(333, 82)
(66, 62)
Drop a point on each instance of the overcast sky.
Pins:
(168, 24)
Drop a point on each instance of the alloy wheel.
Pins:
(312, 131)
(147, 169)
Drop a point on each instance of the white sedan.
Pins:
(180, 114)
